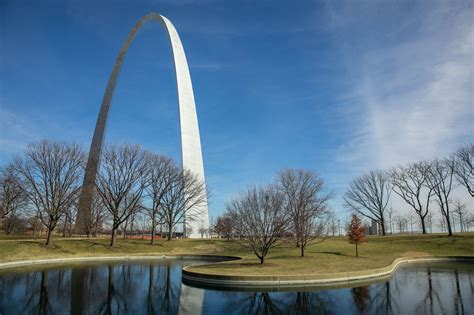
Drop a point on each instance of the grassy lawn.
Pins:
(333, 255)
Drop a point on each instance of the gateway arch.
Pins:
(190, 140)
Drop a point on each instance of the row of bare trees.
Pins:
(419, 184)
(45, 183)
(295, 204)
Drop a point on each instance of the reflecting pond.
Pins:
(156, 288)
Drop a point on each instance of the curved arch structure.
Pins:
(190, 140)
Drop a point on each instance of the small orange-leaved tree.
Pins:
(355, 232)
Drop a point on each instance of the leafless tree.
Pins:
(223, 226)
(121, 182)
(468, 221)
(97, 217)
(184, 197)
(12, 196)
(263, 220)
(203, 231)
(127, 225)
(368, 195)
(390, 219)
(441, 182)
(162, 174)
(69, 218)
(402, 223)
(429, 221)
(460, 210)
(464, 167)
(50, 174)
(409, 182)
(306, 205)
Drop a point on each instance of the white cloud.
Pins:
(15, 133)
(411, 85)
(413, 100)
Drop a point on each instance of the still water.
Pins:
(156, 288)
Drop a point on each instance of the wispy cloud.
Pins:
(413, 100)
(15, 133)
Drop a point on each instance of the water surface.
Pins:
(156, 288)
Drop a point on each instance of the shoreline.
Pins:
(317, 280)
(201, 279)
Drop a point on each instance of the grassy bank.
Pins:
(333, 255)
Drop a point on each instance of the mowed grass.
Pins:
(333, 255)
(338, 255)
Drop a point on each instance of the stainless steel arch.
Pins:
(190, 140)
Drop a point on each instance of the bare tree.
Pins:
(464, 167)
(402, 222)
(306, 204)
(184, 197)
(121, 182)
(368, 195)
(223, 226)
(69, 218)
(390, 221)
(50, 174)
(97, 217)
(162, 174)
(409, 182)
(441, 182)
(12, 196)
(262, 218)
(203, 231)
(460, 211)
(468, 221)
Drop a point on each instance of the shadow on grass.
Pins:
(330, 253)
(246, 264)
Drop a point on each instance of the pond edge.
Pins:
(240, 281)
(331, 279)
(104, 259)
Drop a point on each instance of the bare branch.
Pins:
(50, 174)
(368, 195)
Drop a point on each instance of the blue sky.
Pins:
(339, 87)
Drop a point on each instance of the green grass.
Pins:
(333, 255)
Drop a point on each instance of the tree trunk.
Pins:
(96, 227)
(423, 227)
(302, 250)
(153, 227)
(170, 226)
(49, 238)
(261, 260)
(448, 223)
(357, 251)
(112, 241)
(64, 227)
(382, 225)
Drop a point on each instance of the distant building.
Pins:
(373, 229)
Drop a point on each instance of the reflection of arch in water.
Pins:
(190, 140)
(191, 300)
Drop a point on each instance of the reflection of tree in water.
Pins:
(279, 303)
(361, 298)
(458, 302)
(163, 293)
(432, 296)
(252, 303)
(151, 288)
(310, 303)
(382, 301)
(39, 304)
(114, 298)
